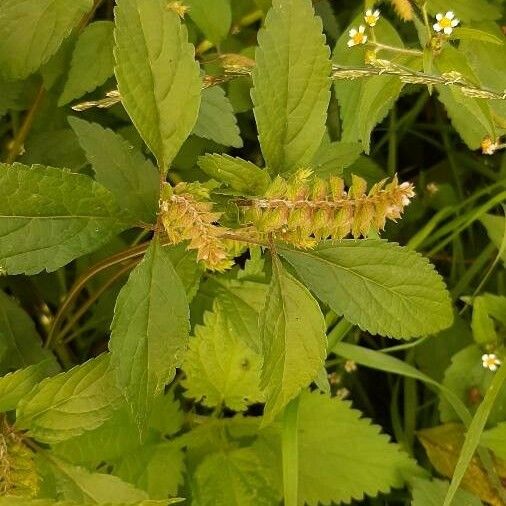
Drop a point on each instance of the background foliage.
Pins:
(183, 314)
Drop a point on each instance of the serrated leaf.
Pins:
(331, 158)
(186, 265)
(333, 436)
(49, 217)
(45, 23)
(461, 108)
(365, 102)
(294, 344)
(20, 344)
(92, 61)
(121, 168)
(233, 478)
(11, 500)
(69, 403)
(17, 384)
(469, 380)
(149, 330)
(379, 286)
(291, 85)
(213, 17)
(216, 120)
(220, 368)
(432, 493)
(443, 444)
(158, 77)
(242, 176)
(80, 485)
(156, 468)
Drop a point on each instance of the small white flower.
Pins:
(342, 393)
(445, 23)
(371, 17)
(490, 361)
(357, 36)
(350, 366)
(488, 146)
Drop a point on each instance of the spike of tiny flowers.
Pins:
(371, 17)
(490, 361)
(357, 36)
(445, 22)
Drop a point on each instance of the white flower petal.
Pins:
(439, 16)
(364, 40)
(351, 43)
(352, 32)
(361, 28)
(368, 12)
(450, 15)
(448, 30)
(376, 13)
(437, 27)
(455, 22)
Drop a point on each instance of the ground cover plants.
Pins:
(252, 252)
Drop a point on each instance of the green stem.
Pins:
(291, 453)
(394, 49)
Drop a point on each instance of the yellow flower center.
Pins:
(370, 20)
(445, 23)
(358, 38)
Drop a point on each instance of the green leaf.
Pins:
(216, 120)
(379, 286)
(69, 403)
(242, 176)
(45, 23)
(149, 330)
(466, 10)
(158, 77)
(293, 341)
(470, 381)
(495, 440)
(365, 102)
(220, 368)
(155, 468)
(17, 384)
(482, 325)
(333, 157)
(343, 456)
(432, 493)
(291, 85)
(233, 478)
(49, 217)
(465, 33)
(187, 268)
(213, 17)
(92, 61)
(496, 230)
(132, 179)
(20, 344)
(80, 485)
(471, 117)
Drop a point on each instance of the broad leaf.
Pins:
(495, 440)
(470, 381)
(149, 330)
(242, 176)
(471, 117)
(233, 478)
(119, 167)
(432, 493)
(156, 468)
(20, 344)
(17, 384)
(69, 403)
(333, 436)
(84, 487)
(333, 157)
(467, 10)
(49, 217)
(45, 23)
(293, 341)
(481, 323)
(92, 61)
(216, 120)
(496, 230)
(379, 286)
(213, 17)
(291, 85)
(220, 368)
(158, 77)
